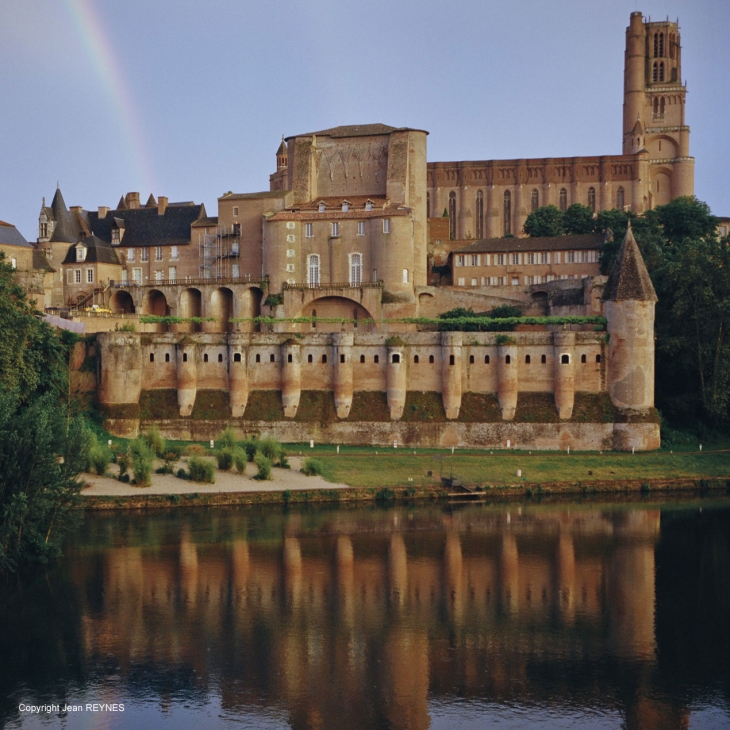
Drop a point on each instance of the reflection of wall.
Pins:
(325, 622)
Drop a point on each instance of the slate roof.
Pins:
(255, 196)
(582, 242)
(629, 278)
(357, 130)
(67, 226)
(11, 236)
(144, 227)
(97, 252)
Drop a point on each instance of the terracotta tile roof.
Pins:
(629, 278)
(334, 202)
(553, 243)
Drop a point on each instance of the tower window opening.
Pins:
(396, 358)
(362, 358)
(342, 358)
(661, 112)
(220, 357)
(376, 359)
(415, 359)
(480, 214)
(543, 359)
(452, 215)
(565, 359)
(527, 359)
(430, 359)
(471, 359)
(486, 359)
(620, 198)
(661, 45)
(507, 213)
(598, 358)
(152, 357)
(167, 357)
(507, 359)
(205, 357)
(310, 358)
(563, 199)
(258, 357)
(324, 359)
(535, 200)
(655, 72)
(272, 358)
(592, 199)
(185, 356)
(661, 71)
(656, 44)
(583, 359)
(452, 360)
(237, 357)
(289, 358)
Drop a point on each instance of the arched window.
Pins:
(527, 359)
(452, 360)
(310, 358)
(656, 44)
(324, 359)
(563, 199)
(507, 359)
(185, 356)
(167, 357)
(415, 359)
(258, 357)
(313, 270)
(471, 359)
(152, 357)
(205, 357)
(592, 199)
(655, 72)
(507, 213)
(598, 358)
(272, 358)
(220, 357)
(620, 198)
(656, 105)
(362, 358)
(430, 359)
(342, 358)
(661, 107)
(543, 359)
(583, 359)
(671, 49)
(237, 357)
(674, 74)
(661, 45)
(355, 269)
(428, 205)
(405, 276)
(314, 319)
(535, 200)
(289, 358)
(486, 359)
(565, 359)
(452, 215)
(480, 214)
(661, 71)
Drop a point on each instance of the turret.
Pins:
(630, 298)
(634, 76)
(342, 344)
(282, 156)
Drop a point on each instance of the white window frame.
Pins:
(77, 276)
(386, 225)
(145, 255)
(515, 259)
(235, 211)
(461, 281)
(130, 255)
(158, 276)
(89, 276)
(171, 273)
(545, 257)
(174, 253)
(570, 257)
(474, 282)
(235, 270)
(313, 270)
(137, 276)
(158, 253)
(335, 229)
(475, 259)
(355, 269)
(308, 230)
(461, 260)
(125, 276)
(405, 276)
(530, 258)
(361, 228)
(80, 254)
(499, 259)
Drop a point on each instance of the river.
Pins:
(566, 615)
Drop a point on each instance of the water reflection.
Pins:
(407, 618)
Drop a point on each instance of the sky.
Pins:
(189, 99)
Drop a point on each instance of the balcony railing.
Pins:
(189, 281)
(336, 285)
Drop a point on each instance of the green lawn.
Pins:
(387, 468)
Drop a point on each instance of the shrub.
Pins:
(99, 456)
(155, 440)
(182, 474)
(263, 464)
(195, 450)
(385, 495)
(240, 459)
(201, 470)
(171, 457)
(142, 457)
(226, 439)
(645, 488)
(271, 448)
(224, 457)
(124, 478)
(250, 446)
(287, 495)
(123, 464)
(283, 462)
(312, 467)
(128, 327)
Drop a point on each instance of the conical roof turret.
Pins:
(629, 278)
(65, 229)
(283, 149)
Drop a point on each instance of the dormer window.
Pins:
(116, 238)
(369, 205)
(322, 206)
(345, 206)
(80, 253)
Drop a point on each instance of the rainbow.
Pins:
(99, 47)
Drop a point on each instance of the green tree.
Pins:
(545, 221)
(578, 219)
(686, 217)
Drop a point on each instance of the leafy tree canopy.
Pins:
(545, 221)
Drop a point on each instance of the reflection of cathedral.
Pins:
(361, 626)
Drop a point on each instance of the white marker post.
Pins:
(519, 472)
(395, 444)
(212, 444)
(311, 443)
(508, 443)
(338, 448)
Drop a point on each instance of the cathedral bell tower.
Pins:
(654, 108)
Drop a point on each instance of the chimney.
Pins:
(75, 208)
(103, 210)
(161, 205)
(132, 200)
